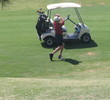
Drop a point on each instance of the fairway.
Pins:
(26, 72)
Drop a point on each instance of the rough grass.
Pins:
(54, 89)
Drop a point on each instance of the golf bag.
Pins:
(42, 23)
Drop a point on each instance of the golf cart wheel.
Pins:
(49, 41)
(85, 38)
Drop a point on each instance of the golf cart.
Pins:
(45, 28)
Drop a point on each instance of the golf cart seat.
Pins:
(64, 28)
(71, 36)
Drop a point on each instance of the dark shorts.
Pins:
(59, 39)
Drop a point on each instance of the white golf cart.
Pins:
(45, 27)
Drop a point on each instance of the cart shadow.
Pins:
(69, 60)
(80, 45)
(74, 44)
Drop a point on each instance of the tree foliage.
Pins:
(4, 2)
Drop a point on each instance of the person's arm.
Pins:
(62, 21)
(57, 15)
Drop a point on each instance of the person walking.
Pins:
(58, 23)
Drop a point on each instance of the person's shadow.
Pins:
(69, 60)
(72, 61)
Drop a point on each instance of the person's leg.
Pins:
(57, 49)
(60, 47)
(61, 50)
(51, 54)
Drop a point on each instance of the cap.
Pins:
(56, 18)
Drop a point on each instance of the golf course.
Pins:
(26, 72)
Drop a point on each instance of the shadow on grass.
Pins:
(74, 44)
(80, 45)
(69, 60)
(72, 61)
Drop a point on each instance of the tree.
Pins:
(3, 2)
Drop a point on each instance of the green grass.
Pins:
(26, 73)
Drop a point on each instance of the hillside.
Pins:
(33, 4)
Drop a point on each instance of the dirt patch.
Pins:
(101, 3)
(91, 53)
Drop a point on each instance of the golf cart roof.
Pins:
(63, 5)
